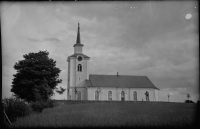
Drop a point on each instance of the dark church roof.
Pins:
(76, 54)
(119, 81)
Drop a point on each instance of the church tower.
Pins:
(77, 72)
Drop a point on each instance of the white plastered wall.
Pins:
(77, 78)
(81, 76)
(141, 94)
(116, 93)
(78, 49)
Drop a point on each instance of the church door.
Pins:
(122, 96)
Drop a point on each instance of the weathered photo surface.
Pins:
(114, 52)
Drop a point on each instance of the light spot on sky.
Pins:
(188, 16)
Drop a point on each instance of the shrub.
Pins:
(38, 106)
(189, 101)
(14, 108)
(50, 104)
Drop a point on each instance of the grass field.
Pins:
(115, 114)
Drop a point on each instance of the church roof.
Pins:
(88, 83)
(78, 54)
(119, 81)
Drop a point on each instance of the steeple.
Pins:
(78, 40)
(78, 65)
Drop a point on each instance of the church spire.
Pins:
(78, 40)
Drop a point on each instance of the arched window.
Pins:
(147, 96)
(110, 95)
(96, 95)
(122, 96)
(79, 95)
(135, 96)
(79, 67)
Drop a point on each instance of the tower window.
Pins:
(79, 68)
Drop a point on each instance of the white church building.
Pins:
(84, 86)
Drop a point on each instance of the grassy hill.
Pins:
(112, 114)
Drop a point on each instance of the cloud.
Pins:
(52, 39)
(34, 40)
(44, 40)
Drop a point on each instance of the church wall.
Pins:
(72, 72)
(78, 49)
(156, 95)
(87, 71)
(68, 78)
(83, 93)
(119, 90)
(152, 96)
(76, 78)
(141, 94)
(81, 76)
(104, 93)
(71, 77)
(72, 95)
(90, 93)
(116, 93)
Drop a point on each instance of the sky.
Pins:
(157, 39)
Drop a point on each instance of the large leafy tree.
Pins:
(36, 77)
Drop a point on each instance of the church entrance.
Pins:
(122, 96)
